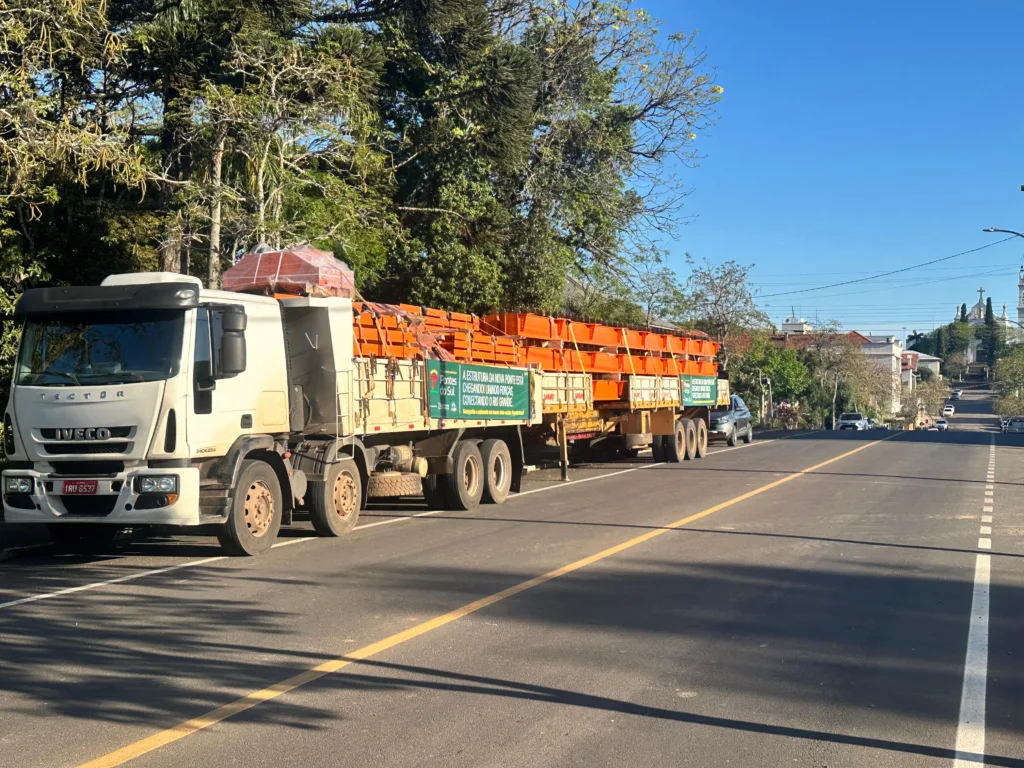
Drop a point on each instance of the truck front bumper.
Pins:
(115, 500)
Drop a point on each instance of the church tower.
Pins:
(1020, 297)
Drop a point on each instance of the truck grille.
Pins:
(78, 449)
(87, 468)
(51, 434)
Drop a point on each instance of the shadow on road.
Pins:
(868, 636)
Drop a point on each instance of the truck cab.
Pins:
(122, 394)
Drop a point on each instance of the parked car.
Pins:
(955, 395)
(732, 423)
(948, 410)
(942, 424)
(1016, 425)
(852, 420)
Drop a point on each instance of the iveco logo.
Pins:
(90, 433)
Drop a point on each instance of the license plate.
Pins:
(79, 487)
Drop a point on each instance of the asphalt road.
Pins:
(821, 600)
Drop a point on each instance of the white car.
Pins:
(852, 420)
(949, 410)
(942, 424)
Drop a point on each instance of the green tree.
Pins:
(722, 302)
(963, 312)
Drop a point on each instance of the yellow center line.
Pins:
(163, 738)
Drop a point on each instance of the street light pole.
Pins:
(1004, 231)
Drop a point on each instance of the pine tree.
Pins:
(941, 343)
(963, 312)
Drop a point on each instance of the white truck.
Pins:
(150, 401)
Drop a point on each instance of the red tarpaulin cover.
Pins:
(303, 271)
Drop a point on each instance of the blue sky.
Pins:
(856, 138)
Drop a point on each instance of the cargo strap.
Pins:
(629, 354)
(572, 335)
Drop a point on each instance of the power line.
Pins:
(886, 274)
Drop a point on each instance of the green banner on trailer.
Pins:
(462, 391)
(700, 390)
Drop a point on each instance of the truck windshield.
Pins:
(101, 348)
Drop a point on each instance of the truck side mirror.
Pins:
(232, 352)
(233, 322)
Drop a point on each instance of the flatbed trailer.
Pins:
(151, 401)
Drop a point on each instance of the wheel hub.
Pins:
(259, 508)
(344, 496)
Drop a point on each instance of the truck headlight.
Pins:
(17, 485)
(156, 484)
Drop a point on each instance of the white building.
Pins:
(794, 324)
(886, 352)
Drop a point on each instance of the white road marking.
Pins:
(989, 493)
(302, 539)
(986, 530)
(989, 487)
(986, 518)
(984, 543)
(970, 732)
(986, 509)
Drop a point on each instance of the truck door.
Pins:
(222, 406)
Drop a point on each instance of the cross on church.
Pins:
(981, 295)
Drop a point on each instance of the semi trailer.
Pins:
(151, 401)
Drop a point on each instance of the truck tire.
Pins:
(255, 515)
(689, 439)
(497, 462)
(465, 485)
(433, 492)
(702, 438)
(334, 502)
(391, 484)
(749, 437)
(83, 538)
(658, 448)
(674, 445)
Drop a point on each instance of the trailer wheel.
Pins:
(465, 485)
(433, 492)
(674, 445)
(334, 502)
(256, 508)
(497, 463)
(702, 438)
(83, 538)
(690, 436)
(658, 448)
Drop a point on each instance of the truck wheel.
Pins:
(658, 448)
(675, 444)
(690, 439)
(83, 538)
(702, 438)
(256, 508)
(465, 485)
(497, 462)
(334, 502)
(433, 492)
(749, 437)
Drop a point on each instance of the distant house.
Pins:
(928, 363)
